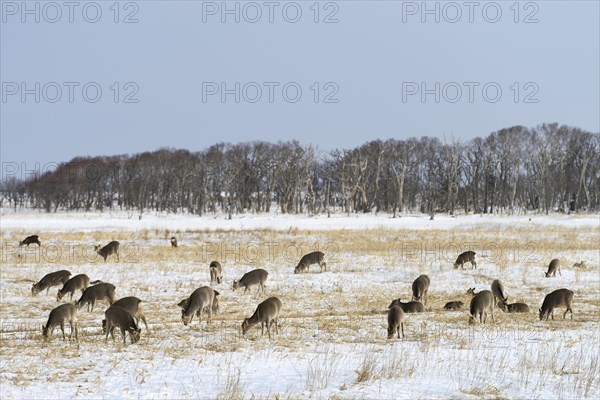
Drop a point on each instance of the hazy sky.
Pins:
(176, 75)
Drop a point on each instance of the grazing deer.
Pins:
(410, 307)
(553, 267)
(52, 279)
(65, 313)
(173, 241)
(101, 291)
(111, 248)
(580, 264)
(254, 277)
(201, 299)
(215, 306)
(395, 322)
(119, 317)
(481, 303)
(454, 306)
(78, 282)
(498, 291)
(30, 240)
(134, 306)
(515, 307)
(420, 287)
(266, 313)
(467, 256)
(560, 297)
(316, 257)
(216, 272)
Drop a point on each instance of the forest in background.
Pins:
(548, 168)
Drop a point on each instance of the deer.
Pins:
(580, 264)
(420, 287)
(65, 313)
(134, 306)
(515, 307)
(30, 240)
(316, 257)
(119, 317)
(471, 292)
(199, 300)
(215, 306)
(266, 314)
(216, 272)
(553, 267)
(454, 306)
(78, 282)
(395, 322)
(481, 303)
(560, 297)
(101, 291)
(173, 241)
(467, 256)
(498, 292)
(410, 307)
(111, 248)
(254, 277)
(50, 280)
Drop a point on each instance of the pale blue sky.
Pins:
(370, 56)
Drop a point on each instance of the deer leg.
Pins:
(112, 332)
(108, 327)
(144, 319)
(124, 333)
(402, 326)
(269, 322)
(62, 328)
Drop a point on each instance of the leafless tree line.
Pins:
(543, 169)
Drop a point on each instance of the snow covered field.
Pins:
(332, 341)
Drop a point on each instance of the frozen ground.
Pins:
(332, 341)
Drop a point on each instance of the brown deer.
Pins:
(420, 287)
(498, 292)
(560, 297)
(119, 317)
(454, 306)
(101, 291)
(201, 299)
(515, 307)
(215, 306)
(50, 280)
(30, 240)
(173, 241)
(111, 248)
(78, 282)
(553, 267)
(579, 265)
(254, 277)
(395, 322)
(410, 307)
(216, 272)
(65, 313)
(134, 306)
(467, 256)
(316, 257)
(481, 303)
(267, 313)
(471, 292)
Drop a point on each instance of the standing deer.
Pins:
(118, 317)
(471, 292)
(78, 282)
(553, 267)
(254, 277)
(560, 297)
(266, 313)
(173, 241)
(454, 306)
(481, 303)
(52, 279)
(65, 313)
(199, 300)
(498, 291)
(134, 306)
(395, 322)
(30, 240)
(216, 272)
(420, 287)
(101, 291)
(410, 307)
(316, 257)
(467, 256)
(111, 248)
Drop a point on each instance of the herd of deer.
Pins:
(126, 313)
